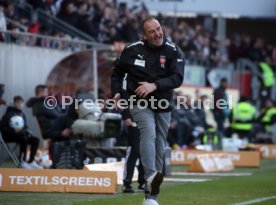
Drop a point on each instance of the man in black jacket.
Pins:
(154, 67)
(220, 105)
(14, 129)
(46, 117)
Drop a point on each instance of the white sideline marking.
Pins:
(256, 200)
(184, 180)
(210, 174)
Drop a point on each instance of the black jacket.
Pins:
(39, 109)
(220, 94)
(162, 65)
(45, 117)
(5, 122)
(61, 123)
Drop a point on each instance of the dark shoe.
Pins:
(127, 189)
(154, 182)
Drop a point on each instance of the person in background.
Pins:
(267, 79)
(14, 129)
(242, 118)
(132, 155)
(267, 116)
(220, 103)
(45, 116)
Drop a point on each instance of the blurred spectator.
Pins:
(220, 103)
(113, 35)
(235, 48)
(130, 30)
(187, 123)
(14, 129)
(46, 117)
(215, 56)
(267, 115)
(267, 79)
(201, 112)
(180, 126)
(68, 13)
(84, 22)
(10, 11)
(61, 128)
(242, 118)
(42, 4)
(256, 52)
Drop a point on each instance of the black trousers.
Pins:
(133, 153)
(23, 139)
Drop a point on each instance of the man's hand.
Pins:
(128, 122)
(66, 132)
(145, 88)
(116, 98)
(172, 126)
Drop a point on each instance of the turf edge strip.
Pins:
(256, 200)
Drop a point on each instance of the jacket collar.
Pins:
(155, 47)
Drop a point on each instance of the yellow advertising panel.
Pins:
(58, 180)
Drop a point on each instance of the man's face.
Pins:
(153, 33)
(43, 93)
